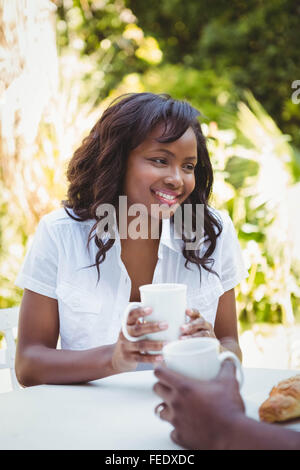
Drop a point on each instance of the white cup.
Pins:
(199, 358)
(168, 303)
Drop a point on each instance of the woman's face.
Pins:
(161, 173)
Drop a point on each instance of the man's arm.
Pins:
(248, 434)
(211, 414)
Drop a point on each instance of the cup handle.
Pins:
(230, 355)
(128, 309)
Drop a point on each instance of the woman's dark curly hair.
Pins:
(97, 169)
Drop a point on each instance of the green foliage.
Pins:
(256, 185)
(213, 95)
(253, 43)
(238, 169)
(249, 45)
(105, 32)
(208, 53)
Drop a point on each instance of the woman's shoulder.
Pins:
(64, 216)
(58, 227)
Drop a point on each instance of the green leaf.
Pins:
(239, 169)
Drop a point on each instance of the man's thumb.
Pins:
(227, 370)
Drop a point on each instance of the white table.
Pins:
(113, 413)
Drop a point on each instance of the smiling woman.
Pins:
(150, 149)
(138, 133)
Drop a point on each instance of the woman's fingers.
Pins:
(137, 324)
(148, 345)
(148, 358)
(137, 313)
(139, 350)
(193, 313)
(141, 329)
(144, 350)
(197, 327)
(199, 334)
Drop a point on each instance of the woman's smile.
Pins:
(166, 197)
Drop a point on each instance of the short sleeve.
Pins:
(39, 270)
(233, 269)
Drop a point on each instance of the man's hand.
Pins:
(202, 412)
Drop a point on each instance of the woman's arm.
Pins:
(225, 329)
(226, 323)
(37, 359)
(39, 362)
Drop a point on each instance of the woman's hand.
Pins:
(127, 354)
(197, 326)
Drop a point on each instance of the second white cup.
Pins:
(199, 358)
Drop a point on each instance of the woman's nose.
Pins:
(174, 178)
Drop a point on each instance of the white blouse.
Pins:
(90, 314)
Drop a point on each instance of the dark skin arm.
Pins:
(39, 362)
(210, 415)
(37, 359)
(225, 328)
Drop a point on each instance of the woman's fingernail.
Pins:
(147, 310)
(159, 358)
(163, 325)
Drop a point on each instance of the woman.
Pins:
(78, 280)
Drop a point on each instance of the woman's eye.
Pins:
(162, 161)
(190, 167)
(159, 160)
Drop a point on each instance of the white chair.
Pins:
(8, 321)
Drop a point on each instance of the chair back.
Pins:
(8, 321)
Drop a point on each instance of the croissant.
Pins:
(283, 402)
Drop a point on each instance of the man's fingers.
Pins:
(162, 391)
(168, 377)
(227, 370)
(163, 411)
(175, 437)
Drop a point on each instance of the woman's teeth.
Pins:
(165, 196)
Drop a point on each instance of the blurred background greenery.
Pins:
(64, 61)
